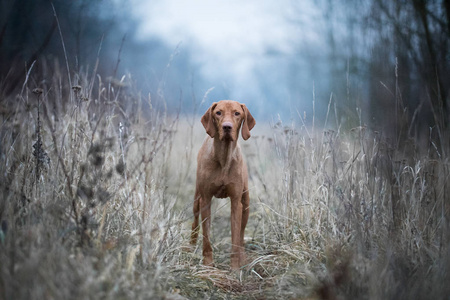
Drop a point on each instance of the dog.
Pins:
(222, 173)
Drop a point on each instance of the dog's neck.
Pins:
(224, 151)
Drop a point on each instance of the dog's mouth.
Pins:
(227, 136)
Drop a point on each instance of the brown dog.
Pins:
(222, 173)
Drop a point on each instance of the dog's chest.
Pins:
(222, 183)
(221, 192)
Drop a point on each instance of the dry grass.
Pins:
(334, 214)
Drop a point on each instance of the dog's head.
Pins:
(225, 118)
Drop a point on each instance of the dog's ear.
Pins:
(208, 121)
(248, 124)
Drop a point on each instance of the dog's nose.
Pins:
(227, 126)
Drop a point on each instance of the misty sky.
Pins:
(236, 43)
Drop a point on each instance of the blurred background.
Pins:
(379, 63)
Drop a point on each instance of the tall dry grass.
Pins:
(101, 206)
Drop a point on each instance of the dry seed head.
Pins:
(38, 91)
(120, 168)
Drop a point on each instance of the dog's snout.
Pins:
(227, 126)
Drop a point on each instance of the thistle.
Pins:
(39, 153)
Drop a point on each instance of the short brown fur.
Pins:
(222, 172)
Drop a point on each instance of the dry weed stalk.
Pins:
(42, 159)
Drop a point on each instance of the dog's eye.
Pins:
(218, 113)
(237, 113)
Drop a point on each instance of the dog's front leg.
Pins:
(245, 215)
(205, 204)
(236, 220)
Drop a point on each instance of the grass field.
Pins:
(97, 191)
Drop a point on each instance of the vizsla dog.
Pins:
(222, 173)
